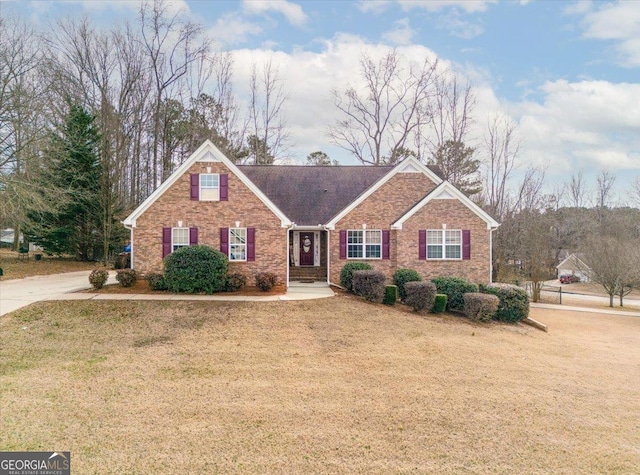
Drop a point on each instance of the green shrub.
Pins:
(266, 281)
(454, 288)
(390, 295)
(346, 274)
(194, 269)
(235, 282)
(156, 281)
(98, 278)
(440, 303)
(402, 276)
(126, 277)
(480, 307)
(514, 301)
(420, 295)
(369, 284)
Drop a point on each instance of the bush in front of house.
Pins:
(98, 278)
(402, 276)
(420, 295)
(439, 304)
(156, 281)
(235, 282)
(514, 301)
(369, 284)
(126, 277)
(195, 269)
(266, 281)
(454, 288)
(346, 274)
(390, 295)
(480, 307)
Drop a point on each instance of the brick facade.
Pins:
(209, 216)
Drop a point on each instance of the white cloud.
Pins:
(459, 27)
(401, 34)
(232, 29)
(374, 6)
(469, 6)
(292, 11)
(587, 124)
(618, 22)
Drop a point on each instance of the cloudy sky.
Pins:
(567, 72)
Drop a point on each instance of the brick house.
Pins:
(305, 223)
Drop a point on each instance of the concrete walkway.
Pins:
(15, 294)
(571, 308)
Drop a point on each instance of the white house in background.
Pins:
(575, 265)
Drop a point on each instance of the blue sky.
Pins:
(567, 72)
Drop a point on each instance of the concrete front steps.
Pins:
(308, 274)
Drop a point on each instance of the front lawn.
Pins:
(15, 266)
(327, 386)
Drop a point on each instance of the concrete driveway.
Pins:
(15, 294)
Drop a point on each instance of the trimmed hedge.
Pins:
(195, 269)
(420, 295)
(346, 274)
(454, 288)
(126, 277)
(402, 276)
(390, 295)
(514, 301)
(480, 307)
(369, 284)
(156, 281)
(440, 303)
(235, 282)
(98, 278)
(266, 281)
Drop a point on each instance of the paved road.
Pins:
(604, 300)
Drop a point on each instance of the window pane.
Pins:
(237, 252)
(374, 237)
(237, 235)
(209, 189)
(179, 238)
(208, 180)
(453, 237)
(434, 236)
(453, 252)
(354, 251)
(374, 251)
(354, 237)
(209, 194)
(434, 252)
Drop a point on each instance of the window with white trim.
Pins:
(179, 238)
(209, 187)
(237, 244)
(364, 244)
(444, 244)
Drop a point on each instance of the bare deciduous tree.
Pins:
(382, 115)
(577, 190)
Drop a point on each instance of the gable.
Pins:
(207, 153)
(446, 191)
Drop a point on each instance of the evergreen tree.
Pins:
(72, 178)
(458, 166)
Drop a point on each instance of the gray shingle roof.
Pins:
(312, 195)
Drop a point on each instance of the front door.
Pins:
(306, 249)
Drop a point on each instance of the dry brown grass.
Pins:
(15, 267)
(327, 386)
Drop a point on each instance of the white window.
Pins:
(179, 238)
(237, 244)
(444, 244)
(209, 187)
(364, 244)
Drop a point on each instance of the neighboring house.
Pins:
(306, 223)
(574, 265)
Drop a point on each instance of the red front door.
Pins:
(306, 249)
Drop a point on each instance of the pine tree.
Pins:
(458, 166)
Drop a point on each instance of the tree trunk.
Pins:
(610, 300)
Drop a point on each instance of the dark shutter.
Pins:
(193, 236)
(343, 244)
(195, 186)
(251, 244)
(385, 244)
(166, 242)
(224, 187)
(422, 244)
(224, 241)
(466, 244)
